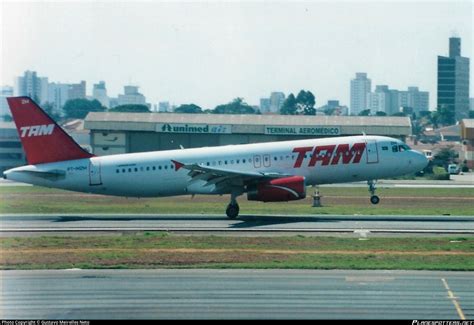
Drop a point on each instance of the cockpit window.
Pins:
(395, 148)
(403, 147)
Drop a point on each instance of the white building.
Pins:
(380, 100)
(417, 100)
(264, 105)
(131, 96)
(58, 95)
(5, 91)
(164, 107)
(33, 86)
(99, 92)
(277, 98)
(360, 87)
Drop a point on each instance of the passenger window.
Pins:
(208, 163)
(129, 170)
(384, 148)
(166, 166)
(159, 167)
(117, 171)
(154, 168)
(243, 160)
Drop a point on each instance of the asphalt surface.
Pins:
(246, 223)
(236, 294)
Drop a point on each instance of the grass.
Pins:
(343, 201)
(162, 250)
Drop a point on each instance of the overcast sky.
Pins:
(211, 52)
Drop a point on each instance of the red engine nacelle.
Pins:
(278, 190)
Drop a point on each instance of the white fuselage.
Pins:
(153, 174)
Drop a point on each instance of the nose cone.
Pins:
(419, 161)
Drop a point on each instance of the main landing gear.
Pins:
(233, 209)
(374, 199)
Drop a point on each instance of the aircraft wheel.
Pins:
(232, 211)
(374, 199)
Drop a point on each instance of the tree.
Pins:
(398, 114)
(305, 103)
(130, 108)
(79, 108)
(237, 106)
(365, 112)
(7, 118)
(445, 156)
(446, 115)
(49, 109)
(289, 106)
(188, 108)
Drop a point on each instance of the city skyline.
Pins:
(239, 50)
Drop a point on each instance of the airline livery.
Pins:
(268, 172)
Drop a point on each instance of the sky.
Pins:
(210, 52)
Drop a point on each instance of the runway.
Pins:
(244, 224)
(236, 294)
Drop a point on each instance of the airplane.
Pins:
(267, 172)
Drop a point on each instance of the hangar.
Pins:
(467, 135)
(114, 133)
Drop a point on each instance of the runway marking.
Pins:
(454, 300)
(230, 250)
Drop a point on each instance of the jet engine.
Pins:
(278, 190)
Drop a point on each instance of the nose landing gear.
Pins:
(374, 199)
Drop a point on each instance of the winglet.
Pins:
(177, 165)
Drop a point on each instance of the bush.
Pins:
(464, 169)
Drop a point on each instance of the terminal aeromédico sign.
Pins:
(193, 128)
(302, 130)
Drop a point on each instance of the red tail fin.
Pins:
(43, 140)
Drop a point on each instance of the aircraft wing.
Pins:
(222, 177)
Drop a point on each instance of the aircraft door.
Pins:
(266, 160)
(372, 152)
(94, 172)
(257, 161)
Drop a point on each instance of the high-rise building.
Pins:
(360, 87)
(415, 99)
(380, 100)
(392, 101)
(77, 91)
(131, 96)
(58, 95)
(99, 92)
(264, 105)
(5, 91)
(453, 81)
(32, 86)
(164, 107)
(277, 98)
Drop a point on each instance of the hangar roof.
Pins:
(250, 124)
(248, 119)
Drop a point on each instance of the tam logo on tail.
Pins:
(36, 130)
(43, 140)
